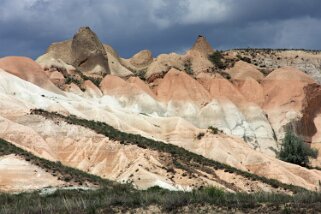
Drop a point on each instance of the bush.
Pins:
(200, 135)
(71, 79)
(141, 74)
(294, 150)
(188, 67)
(214, 192)
(214, 130)
(216, 58)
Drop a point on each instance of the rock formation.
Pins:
(142, 58)
(202, 45)
(236, 115)
(88, 53)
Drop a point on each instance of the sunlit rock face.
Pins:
(172, 98)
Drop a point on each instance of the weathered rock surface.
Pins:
(84, 52)
(91, 89)
(202, 45)
(242, 70)
(61, 50)
(26, 69)
(268, 60)
(88, 53)
(173, 130)
(173, 98)
(18, 175)
(141, 59)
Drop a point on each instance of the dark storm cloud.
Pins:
(27, 27)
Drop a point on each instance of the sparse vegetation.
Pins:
(294, 150)
(71, 79)
(200, 135)
(96, 81)
(245, 59)
(56, 168)
(176, 152)
(214, 130)
(225, 75)
(188, 67)
(141, 74)
(217, 59)
(106, 200)
(113, 196)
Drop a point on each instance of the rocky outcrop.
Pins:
(114, 85)
(268, 60)
(88, 53)
(251, 90)
(178, 86)
(51, 64)
(82, 148)
(27, 69)
(91, 89)
(61, 50)
(284, 97)
(202, 45)
(142, 58)
(289, 74)
(84, 52)
(73, 88)
(241, 70)
(173, 98)
(111, 50)
(57, 78)
(196, 59)
(162, 64)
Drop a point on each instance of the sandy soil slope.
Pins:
(174, 98)
(17, 174)
(78, 147)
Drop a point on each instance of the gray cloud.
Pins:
(28, 27)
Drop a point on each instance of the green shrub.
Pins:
(71, 79)
(225, 75)
(200, 135)
(95, 80)
(294, 150)
(214, 130)
(177, 153)
(188, 67)
(141, 74)
(216, 58)
(214, 192)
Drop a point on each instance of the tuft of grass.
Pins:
(79, 201)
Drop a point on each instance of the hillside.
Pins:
(81, 118)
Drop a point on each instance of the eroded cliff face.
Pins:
(306, 126)
(172, 98)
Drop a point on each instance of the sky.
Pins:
(28, 27)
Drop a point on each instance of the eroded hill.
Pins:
(229, 107)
